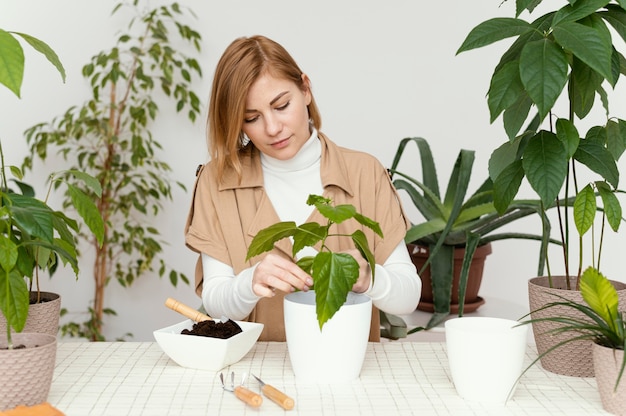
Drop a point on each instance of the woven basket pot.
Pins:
(26, 373)
(42, 317)
(574, 358)
(607, 362)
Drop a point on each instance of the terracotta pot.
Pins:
(574, 358)
(26, 373)
(42, 317)
(419, 255)
(607, 363)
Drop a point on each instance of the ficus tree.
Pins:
(110, 137)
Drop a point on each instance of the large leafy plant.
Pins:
(569, 53)
(333, 273)
(110, 137)
(453, 221)
(33, 236)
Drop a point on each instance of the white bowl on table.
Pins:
(206, 353)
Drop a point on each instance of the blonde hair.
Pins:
(241, 64)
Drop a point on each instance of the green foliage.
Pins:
(454, 221)
(333, 274)
(12, 59)
(110, 137)
(569, 53)
(600, 320)
(35, 237)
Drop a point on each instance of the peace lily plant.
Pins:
(333, 274)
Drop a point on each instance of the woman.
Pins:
(267, 156)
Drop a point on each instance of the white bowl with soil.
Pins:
(204, 352)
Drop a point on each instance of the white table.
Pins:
(398, 378)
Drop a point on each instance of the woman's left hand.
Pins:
(365, 276)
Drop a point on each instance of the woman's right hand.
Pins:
(276, 272)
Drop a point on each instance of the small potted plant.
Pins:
(602, 324)
(328, 338)
(33, 237)
(560, 66)
(453, 241)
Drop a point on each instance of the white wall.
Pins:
(381, 71)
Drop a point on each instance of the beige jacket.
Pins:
(225, 217)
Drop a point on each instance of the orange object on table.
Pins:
(43, 409)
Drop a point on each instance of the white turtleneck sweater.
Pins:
(288, 183)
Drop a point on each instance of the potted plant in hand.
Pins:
(33, 237)
(568, 52)
(450, 246)
(328, 337)
(602, 324)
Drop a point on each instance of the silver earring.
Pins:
(244, 140)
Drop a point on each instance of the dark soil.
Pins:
(214, 329)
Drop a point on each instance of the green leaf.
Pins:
(14, 299)
(360, 240)
(336, 214)
(8, 253)
(584, 209)
(429, 171)
(45, 50)
(441, 271)
(507, 185)
(616, 17)
(567, 133)
(492, 31)
(267, 237)
(591, 45)
(615, 136)
(515, 115)
(505, 89)
(543, 71)
(306, 264)
(334, 274)
(369, 223)
(308, 234)
(600, 295)
(32, 216)
(11, 62)
(611, 205)
(88, 211)
(598, 158)
(577, 11)
(424, 229)
(92, 183)
(582, 87)
(545, 164)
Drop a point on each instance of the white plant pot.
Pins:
(486, 357)
(336, 353)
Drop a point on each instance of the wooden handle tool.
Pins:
(248, 396)
(276, 395)
(187, 311)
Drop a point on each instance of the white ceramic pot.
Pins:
(486, 357)
(336, 353)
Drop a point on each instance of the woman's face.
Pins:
(276, 118)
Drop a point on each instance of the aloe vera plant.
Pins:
(333, 273)
(456, 222)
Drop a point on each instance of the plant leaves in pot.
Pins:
(322, 344)
(602, 325)
(560, 64)
(33, 237)
(453, 223)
